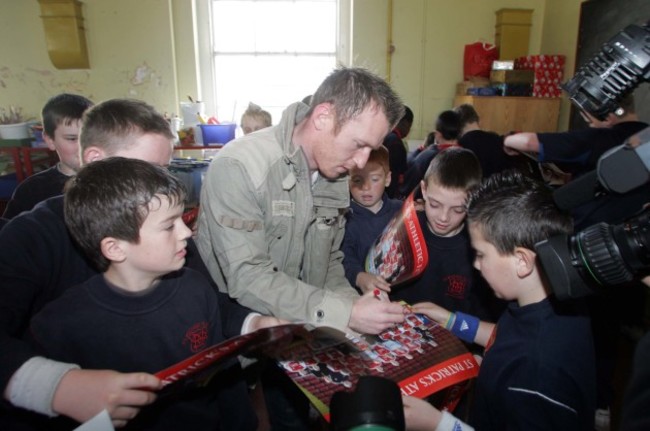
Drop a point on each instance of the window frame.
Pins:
(207, 86)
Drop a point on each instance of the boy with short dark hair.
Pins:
(449, 278)
(39, 262)
(370, 211)
(488, 146)
(61, 118)
(446, 133)
(538, 370)
(145, 311)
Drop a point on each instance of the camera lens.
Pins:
(600, 256)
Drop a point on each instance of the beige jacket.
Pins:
(269, 237)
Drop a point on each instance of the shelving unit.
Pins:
(507, 114)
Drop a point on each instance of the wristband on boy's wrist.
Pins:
(465, 326)
(450, 320)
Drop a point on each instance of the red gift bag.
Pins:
(478, 59)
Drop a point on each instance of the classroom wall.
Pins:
(145, 48)
(130, 46)
(560, 36)
(429, 38)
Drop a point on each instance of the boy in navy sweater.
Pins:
(39, 262)
(538, 370)
(61, 117)
(145, 311)
(449, 279)
(370, 211)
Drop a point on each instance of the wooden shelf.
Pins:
(507, 114)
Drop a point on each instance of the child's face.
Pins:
(367, 185)
(445, 208)
(66, 144)
(163, 238)
(251, 124)
(500, 271)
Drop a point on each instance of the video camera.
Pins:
(605, 255)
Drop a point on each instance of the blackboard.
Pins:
(600, 20)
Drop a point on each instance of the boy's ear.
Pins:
(92, 154)
(49, 141)
(388, 179)
(112, 249)
(323, 117)
(525, 261)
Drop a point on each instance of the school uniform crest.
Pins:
(197, 337)
(457, 286)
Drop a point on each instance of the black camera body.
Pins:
(620, 66)
(598, 256)
(605, 255)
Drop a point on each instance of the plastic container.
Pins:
(14, 131)
(217, 133)
(191, 173)
(191, 112)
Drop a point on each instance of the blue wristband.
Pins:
(465, 327)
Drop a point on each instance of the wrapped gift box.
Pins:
(548, 69)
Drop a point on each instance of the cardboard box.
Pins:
(507, 16)
(512, 76)
(503, 65)
(462, 88)
(512, 32)
(514, 90)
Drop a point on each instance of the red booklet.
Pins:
(420, 355)
(400, 253)
(198, 369)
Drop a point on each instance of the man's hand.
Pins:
(371, 315)
(368, 282)
(82, 394)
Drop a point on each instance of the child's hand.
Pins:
(368, 282)
(432, 311)
(82, 394)
(419, 415)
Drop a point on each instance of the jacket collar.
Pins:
(329, 193)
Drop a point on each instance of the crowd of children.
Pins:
(104, 275)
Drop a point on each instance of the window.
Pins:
(270, 52)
